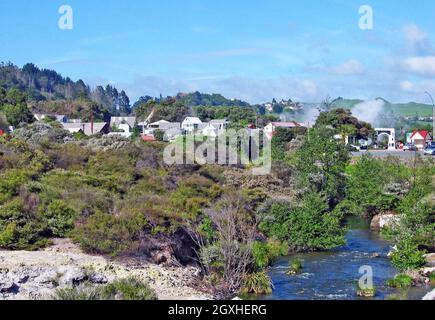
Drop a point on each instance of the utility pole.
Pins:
(433, 116)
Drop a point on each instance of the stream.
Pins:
(334, 275)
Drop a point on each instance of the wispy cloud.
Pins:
(350, 67)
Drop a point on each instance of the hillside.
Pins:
(409, 109)
(43, 86)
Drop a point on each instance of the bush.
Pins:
(257, 283)
(128, 289)
(20, 230)
(109, 234)
(400, 281)
(124, 289)
(309, 226)
(295, 266)
(82, 292)
(59, 217)
(407, 256)
(265, 253)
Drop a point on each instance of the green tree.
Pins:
(308, 226)
(320, 164)
(16, 114)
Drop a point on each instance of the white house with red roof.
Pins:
(271, 128)
(420, 138)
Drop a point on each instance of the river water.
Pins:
(334, 274)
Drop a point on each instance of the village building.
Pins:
(162, 125)
(271, 128)
(215, 128)
(420, 139)
(192, 124)
(122, 126)
(88, 129)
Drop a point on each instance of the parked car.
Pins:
(354, 148)
(410, 147)
(429, 151)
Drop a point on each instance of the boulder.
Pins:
(430, 296)
(430, 260)
(381, 221)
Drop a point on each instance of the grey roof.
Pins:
(131, 121)
(85, 127)
(219, 121)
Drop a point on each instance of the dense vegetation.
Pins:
(122, 199)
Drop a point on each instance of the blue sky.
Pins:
(250, 49)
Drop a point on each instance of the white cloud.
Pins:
(351, 67)
(420, 65)
(417, 39)
(406, 85)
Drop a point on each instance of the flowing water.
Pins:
(335, 274)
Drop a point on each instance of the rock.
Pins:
(98, 278)
(430, 259)
(430, 296)
(8, 286)
(381, 221)
(375, 255)
(71, 276)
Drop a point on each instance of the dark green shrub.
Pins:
(59, 217)
(407, 256)
(265, 253)
(20, 230)
(309, 226)
(400, 281)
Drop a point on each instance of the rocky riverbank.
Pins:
(36, 275)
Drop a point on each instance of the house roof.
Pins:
(148, 138)
(219, 121)
(157, 123)
(131, 121)
(290, 124)
(423, 133)
(85, 127)
(194, 120)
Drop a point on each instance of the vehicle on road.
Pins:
(354, 148)
(429, 152)
(410, 147)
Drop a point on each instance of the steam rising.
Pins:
(369, 111)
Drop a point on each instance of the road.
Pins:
(386, 153)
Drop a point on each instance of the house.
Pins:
(191, 124)
(162, 125)
(88, 129)
(220, 124)
(420, 138)
(271, 128)
(124, 125)
(214, 128)
(172, 134)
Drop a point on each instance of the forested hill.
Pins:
(202, 99)
(43, 86)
